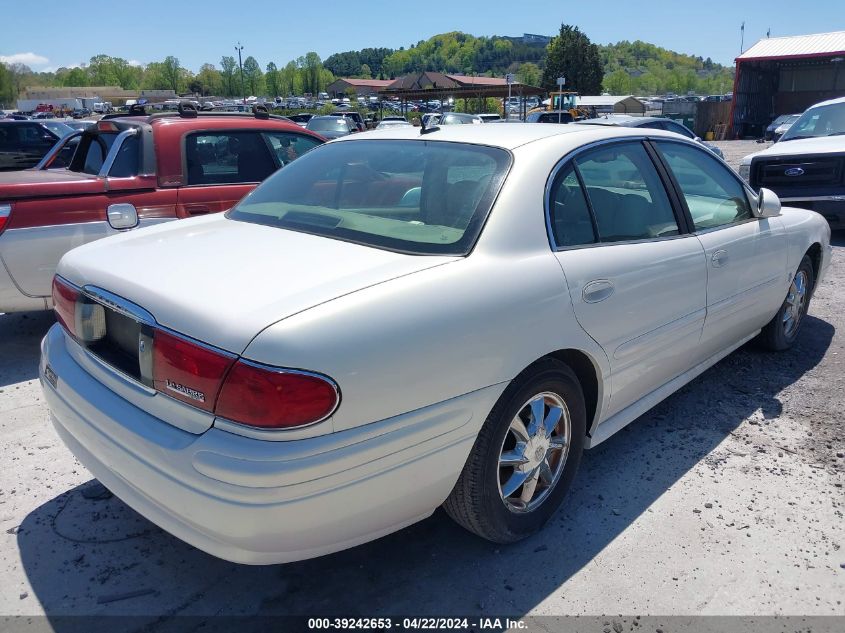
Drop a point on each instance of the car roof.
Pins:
(827, 103)
(506, 136)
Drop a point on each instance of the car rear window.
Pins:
(419, 197)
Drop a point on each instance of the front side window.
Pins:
(713, 194)
(420, 197)
(225, 158)
(626, 194)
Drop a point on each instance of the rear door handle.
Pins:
(597, 290)
(720, 258)
(197, 209)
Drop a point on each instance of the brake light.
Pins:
(273, 398)
(65, 297)
(5, 212)
(188, 371)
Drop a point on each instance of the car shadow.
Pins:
(20, 337)
(79, 554)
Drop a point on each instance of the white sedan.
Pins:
(402, 320)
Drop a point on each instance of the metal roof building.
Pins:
(785, 75)
(615, 104)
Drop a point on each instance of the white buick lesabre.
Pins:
(402, 320)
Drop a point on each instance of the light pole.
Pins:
(239, 48)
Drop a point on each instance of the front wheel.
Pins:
(525, 456)
(782, 331)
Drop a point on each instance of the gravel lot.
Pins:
(726, 499)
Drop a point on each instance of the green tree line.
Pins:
(298, 76)
(622, 68)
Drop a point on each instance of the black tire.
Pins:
(476, 502)
(776, 335)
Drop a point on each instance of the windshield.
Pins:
(826, 120)
(58, 128)
(419, 197)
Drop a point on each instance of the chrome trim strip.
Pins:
(832, 198)
(118, 304)
(285, 370)
(58, 147)
(115, 148)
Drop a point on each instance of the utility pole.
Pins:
(239, 48)
(742, 37)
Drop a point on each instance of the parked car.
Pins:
(806, 167)
(781, 129)
(392, 123)
(301, 119)
(652, 123)
(769, 134)
(331, 126)
(551, 116)
(356, 118)
(24, 143)
(404, 320)
(76, 124)
(130, 172)
(490, 118)
(458, 118)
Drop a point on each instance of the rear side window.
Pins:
(288, 146)
(223, 158)
(626, 194)
(714, 196)
(571, 223)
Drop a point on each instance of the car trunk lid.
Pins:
(222, 281)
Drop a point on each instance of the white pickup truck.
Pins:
(806, 167)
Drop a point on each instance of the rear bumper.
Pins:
(257, 501)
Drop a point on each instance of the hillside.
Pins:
(629, 67)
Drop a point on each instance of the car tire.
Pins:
(782, 331)
(482, 500)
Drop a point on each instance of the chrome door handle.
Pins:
(597, 290)
(720, 258)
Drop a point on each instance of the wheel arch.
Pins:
(589, 376)
(815, 255)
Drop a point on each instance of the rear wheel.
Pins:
(525, 456)
(782, 331)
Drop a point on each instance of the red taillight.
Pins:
(5, 213)
(65, 297)
(270, 398)
(188, 371)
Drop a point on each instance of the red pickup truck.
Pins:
(129, 172)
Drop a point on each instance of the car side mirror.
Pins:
(768, 204)
(697, 139)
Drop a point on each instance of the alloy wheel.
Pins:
(534, 452)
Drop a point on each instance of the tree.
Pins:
(529, 74)
(209, 80)
(171, 73)
(618, 83)
(230, 84)
(311, 67)
(571, 55)
(271, 80)
(253, 77)
(366, 73)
